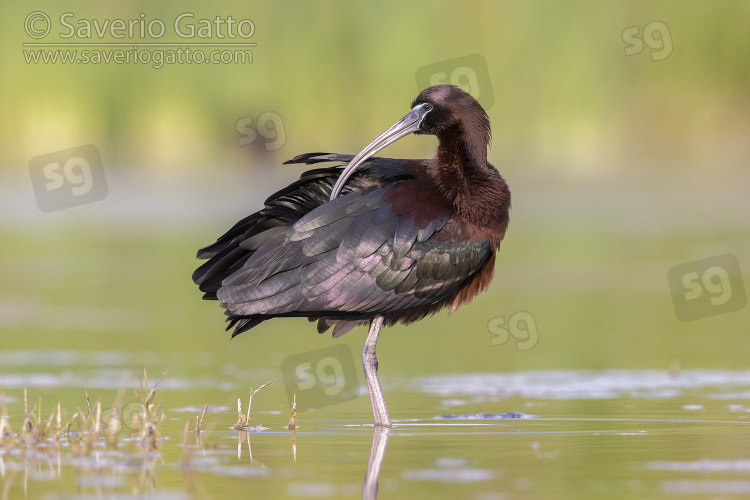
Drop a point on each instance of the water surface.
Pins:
(532, 434)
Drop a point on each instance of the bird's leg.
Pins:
(370, 364)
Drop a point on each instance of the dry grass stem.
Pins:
(243, 421)
(199, 419)
(293, 417)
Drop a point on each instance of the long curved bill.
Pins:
(405, 126)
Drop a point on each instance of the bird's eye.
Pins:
(427, 106)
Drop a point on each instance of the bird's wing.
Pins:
(285, 207)
(281, 209)
(384, 250)
(377, 166)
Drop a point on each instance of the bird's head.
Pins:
(441, 110)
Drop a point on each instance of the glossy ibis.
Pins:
(380, 241)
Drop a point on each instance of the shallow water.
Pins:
(534, 434)
(87, 300)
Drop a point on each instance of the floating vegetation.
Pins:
(35, 436)
(243, 421)
(94, 436)
(106, 445)
(100, 428)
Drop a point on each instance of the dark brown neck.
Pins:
(460, 162)
(475, 189)
(456, 146)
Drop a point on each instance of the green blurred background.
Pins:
(620, 166)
